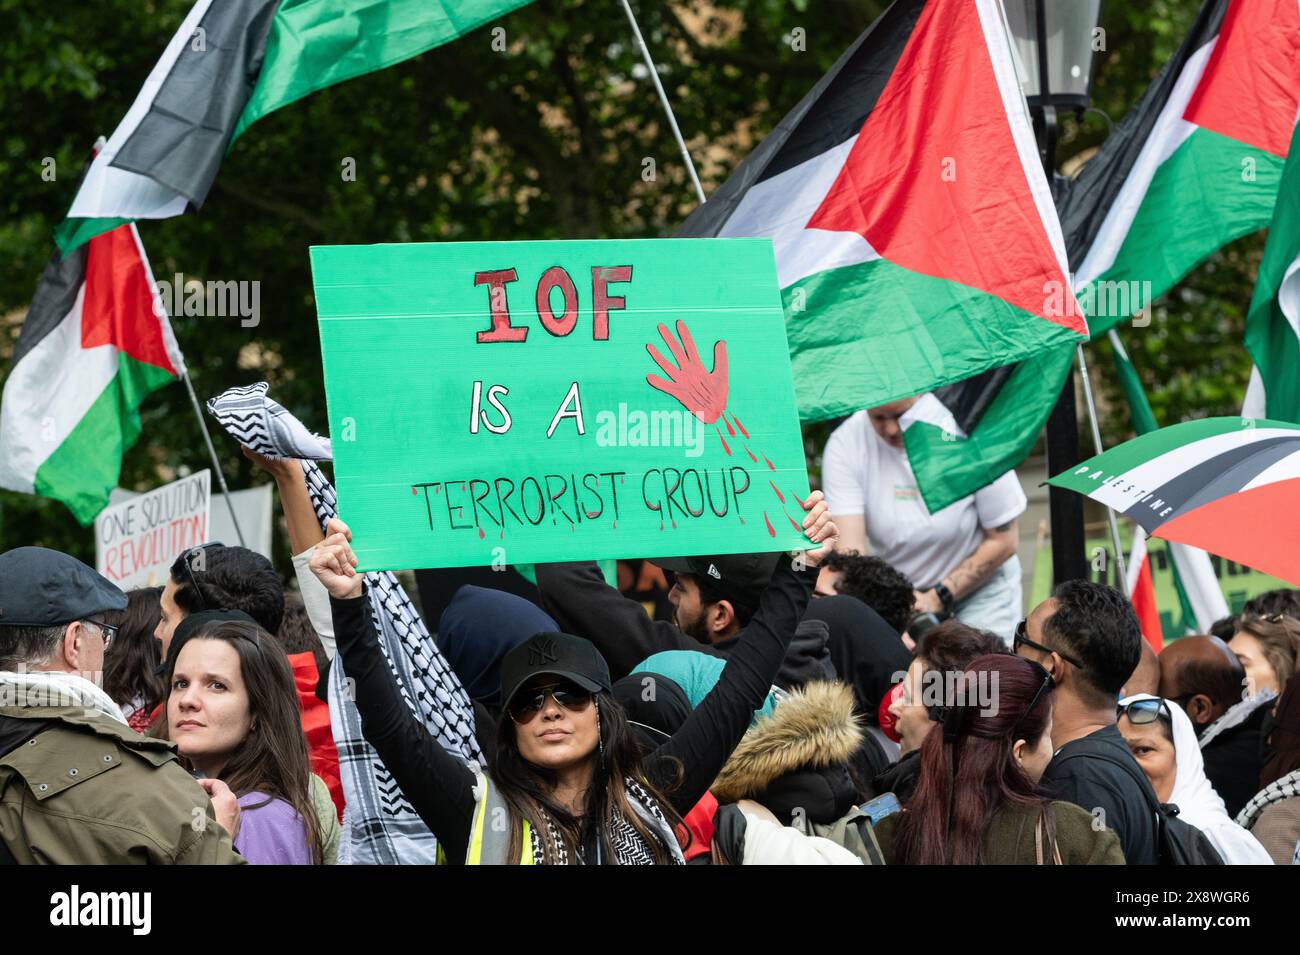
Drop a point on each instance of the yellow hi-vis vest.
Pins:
(489, 833)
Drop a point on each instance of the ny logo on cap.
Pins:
(713, 572)
(542, 652)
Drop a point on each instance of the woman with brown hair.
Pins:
(233, 713)
(131, 664)
(1268, 646)
(991, 746)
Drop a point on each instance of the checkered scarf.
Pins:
(379, 824)
(1284, 787)
(629, 845)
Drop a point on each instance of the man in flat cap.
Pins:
(77, 785)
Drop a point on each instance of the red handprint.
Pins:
(702, 393)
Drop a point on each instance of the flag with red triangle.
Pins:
(916, 239)
(96, 341)
(1141, 591)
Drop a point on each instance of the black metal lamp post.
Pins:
(1054, 41)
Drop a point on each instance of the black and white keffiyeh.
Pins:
(1284, 787)
(379, 825)
(629, 845)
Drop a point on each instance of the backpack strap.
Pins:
(1087, 747)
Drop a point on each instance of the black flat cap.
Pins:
(44, 588)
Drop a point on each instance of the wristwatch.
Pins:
(945, 596)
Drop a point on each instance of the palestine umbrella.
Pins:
(1230, 486)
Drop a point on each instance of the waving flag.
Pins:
(916, 241)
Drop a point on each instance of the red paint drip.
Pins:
(770, 529)
(724, 442)
(793, 523)
(779, 495)
(481, 535)
(503, 533)
(462, 485)
(770, 465)
(616, 525)
(437, 489)
(661, 525)
(742, 520)
(674, 525)
(751, 454)
(415, 490)
(730, 430)
(740, 426)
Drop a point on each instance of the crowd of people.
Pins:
(828, 707)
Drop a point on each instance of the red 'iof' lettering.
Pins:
(502, 330)
(601, 276)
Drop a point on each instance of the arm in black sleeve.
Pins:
(583, 604)
(438, 785)
(705, 741)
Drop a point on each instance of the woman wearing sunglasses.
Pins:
(568, 783)
(1164, 744)
(977, 799)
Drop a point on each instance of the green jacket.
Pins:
(78, 787)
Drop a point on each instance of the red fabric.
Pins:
(118, 309)
(1143, 598)
(699, 822)
(979, 227)
(316, 726)
(888, 724)
(1256, 60)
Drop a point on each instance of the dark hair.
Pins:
(527, 788)
(1097, 624)
(273, 759)
(297, 635)
(216, 577)
(710, 596)
(975, 759)
(1282, 600)
(1224, 628)
(1219, 679)
(131, 664)
(28, 646)
(876, 583)
(951, 646)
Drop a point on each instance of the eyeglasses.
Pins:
(1022, 639)
(1141, 712)
(107, 629)
(1047, 684)
(525, 706)
(187, 559)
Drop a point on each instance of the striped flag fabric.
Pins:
(1142, 592)
(1227, 485)
(95, 343)
(915, 236)
(1192, 166)
(230, 63)
(1273, 321)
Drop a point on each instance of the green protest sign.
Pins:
(520, 402)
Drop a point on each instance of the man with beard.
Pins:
(713, 600)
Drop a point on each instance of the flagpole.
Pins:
(663, 98)
(212, 453)
(1096, 442)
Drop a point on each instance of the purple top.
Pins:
(271, 834)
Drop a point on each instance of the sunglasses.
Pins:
(107, 629)
(1047, 684)
(526, 705)
(1022, 639)
(1141, 712)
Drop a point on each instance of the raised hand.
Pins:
(819, 528)
(702, 393)
(334, 563)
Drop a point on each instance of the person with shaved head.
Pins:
(1206, 679)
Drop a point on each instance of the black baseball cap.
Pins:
(45, 588)
(561, 654)
(740, 578)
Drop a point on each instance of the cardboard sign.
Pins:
(520, 402)
(137, 540)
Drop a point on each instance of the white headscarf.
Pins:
(1197, 802)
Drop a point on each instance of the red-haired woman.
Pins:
(991, 745)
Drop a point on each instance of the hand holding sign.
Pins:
(702, 393)
(334, 563)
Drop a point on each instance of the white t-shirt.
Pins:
(863, 474)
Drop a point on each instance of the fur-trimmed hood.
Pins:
(812, 728)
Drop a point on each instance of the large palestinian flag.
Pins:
(95, 343)
(916, 241)
(1227, 485)
(1193, 165)
(230, 63)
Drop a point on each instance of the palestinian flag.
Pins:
(915, 236)
(229, 64)
(95, 343)
(1273, 322)
(1193, 166)
(1142, 592)
(1227, 485)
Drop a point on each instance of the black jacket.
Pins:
(1233, 759)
